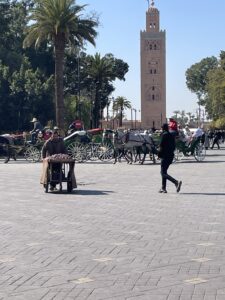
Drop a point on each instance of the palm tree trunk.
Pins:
(59, 68)
(96, 109)
(121, 116)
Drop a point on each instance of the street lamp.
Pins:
(78, 77)
(107, 111)
(135, 117)
(199, 114)
(79, 67)
(108, 103)
(131, 117)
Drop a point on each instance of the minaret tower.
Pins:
(153, 71)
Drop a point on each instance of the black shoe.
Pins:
(178, 186)
(163, 191)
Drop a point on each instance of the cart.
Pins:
(57, 171)
(196, 148)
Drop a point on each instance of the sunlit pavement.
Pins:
(115, 236)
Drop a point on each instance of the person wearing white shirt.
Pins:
(197, 133)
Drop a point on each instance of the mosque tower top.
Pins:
(152, 18)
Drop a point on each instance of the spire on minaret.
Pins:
(152, 18)
(152, 3)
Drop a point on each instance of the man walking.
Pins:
(216, 138)
(166, 153)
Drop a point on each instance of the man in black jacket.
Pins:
(166, 153)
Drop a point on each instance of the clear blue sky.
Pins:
(194, 30)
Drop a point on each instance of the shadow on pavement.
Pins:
(92, 192)
(83, 192)
(183, 161)
(212, 155)
(207, 194)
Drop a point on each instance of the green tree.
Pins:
(215, 98)
(14, 84)
(120, 104)
(6, 117)
(73, 111)
(31, 95)
(59, 22)
(12, 22)
(196, 77)
(215, 101)
(99, 75)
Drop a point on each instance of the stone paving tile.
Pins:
(114, 237)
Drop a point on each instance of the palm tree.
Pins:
(59, 22)
(120, 104)
(100, 73)
(176, 112)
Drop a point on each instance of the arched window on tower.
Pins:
(153, 67)
(153, 93)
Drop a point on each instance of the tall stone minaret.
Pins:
(153, 71)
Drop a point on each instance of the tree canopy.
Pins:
(196, 76)
(60, 23)
(207, 80)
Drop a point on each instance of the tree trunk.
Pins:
(121, 117)
(96, 110)
(59, 68)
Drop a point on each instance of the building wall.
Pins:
(153, 72)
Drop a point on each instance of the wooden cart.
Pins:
(58, 172)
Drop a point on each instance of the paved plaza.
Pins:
(115, 236)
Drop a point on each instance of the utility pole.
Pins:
(131, 115)
(78, 76)
(135, 117)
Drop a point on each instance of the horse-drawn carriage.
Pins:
(184, 148)
(195, 148)
(14, 146)
(87, 145)
(134, 146)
